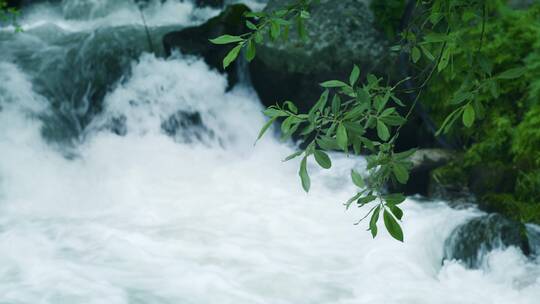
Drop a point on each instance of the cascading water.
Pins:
(126, 178)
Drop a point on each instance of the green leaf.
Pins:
(259, 37)
(292, 156)
(334, 84)
(392, 226)
(319, 105)
(250, 25)
(445, 58)
(275, 30)
(512, 73)
(304, 177)
(291, 106)
(366, 200)
(354, 127)
(266, 126)
(301, 27)
(460, 97)
(373, 221)
(401, 173)
(251, 51)
(323, 159)
(272, 112)
(341, 137)
(351, 200)
(226, 39)
(357, 179)
(327, 143)
(398, 213)
(427, 53)
(355, 74)
(336, 104)
(416, 54)
(468, 115)
(394, 199)
(382, 130)
(231, 56)
(404, 155)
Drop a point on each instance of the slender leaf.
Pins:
(304, 176)
(357, 179)
(341, 137)
(355, 74)
(231, 56)
(226, 39)
(392, 226)
(373, 221)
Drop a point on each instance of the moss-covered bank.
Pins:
(501, 152)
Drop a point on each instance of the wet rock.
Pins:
(194, 40)
(471, 241)
(341, 33)
(533, 234)
(187, 127)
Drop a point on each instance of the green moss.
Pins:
(526, 141)
(507, 136)
(510, 206)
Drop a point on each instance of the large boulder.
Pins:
(341, 33)
(471, 241)
(194, 40)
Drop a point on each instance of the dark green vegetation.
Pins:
(501, 154)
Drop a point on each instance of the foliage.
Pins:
(9, 15)
(509, 133)
(445, 43)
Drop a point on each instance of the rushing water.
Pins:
(158, 195)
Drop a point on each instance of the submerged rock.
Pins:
(341, 33)
(471, 241)
(194, 40)
(187, 127)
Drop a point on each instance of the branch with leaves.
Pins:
(363, 118)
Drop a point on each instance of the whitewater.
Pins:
(144, 206)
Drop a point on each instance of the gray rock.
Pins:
(470, 242)
(341, 33)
